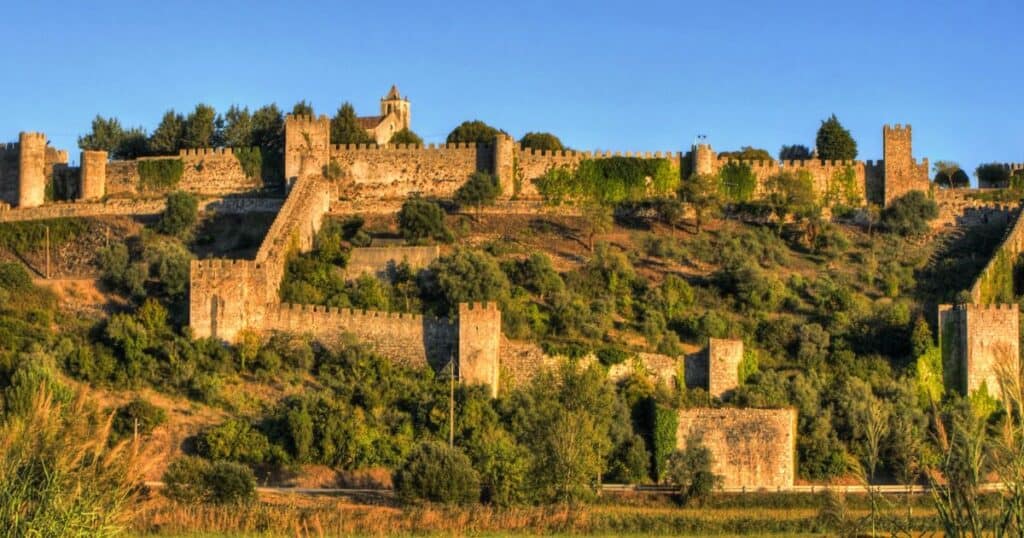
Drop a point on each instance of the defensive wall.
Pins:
(134, 207)
(1012, 168)
(715, 368)
(205, 171)
(381, 262)
(751, 448)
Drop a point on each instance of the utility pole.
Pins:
(47, 228)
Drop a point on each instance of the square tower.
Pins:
(307, 146)
(479, 344)
(980, 344)
(902, 174)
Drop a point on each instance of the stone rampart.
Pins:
(381, 262)
(980, 343)
(998, 272)
(395, 171)
(724, 358)
(136, 207)
(532, 164)
(751, 448)
(205, 171)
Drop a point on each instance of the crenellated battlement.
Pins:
(896, 128)
(459, 146)
(573, 154)
(30, 136)
(203, 152)
(217, 268)
(299, 119)
(489, 306)
(332, 314)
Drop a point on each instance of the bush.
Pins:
(421, 219)
(473, 132)
(737, 181)
(479, 190)
(191, 480)
(660, 423)
(541, 141)
(909, 214)
(234, 440)
(180, 215)
(160, 174)
(610, 356)
(690, 470)
(436, 472)
(251, 161)
(137, 412)
(992, 175)
(406, 136)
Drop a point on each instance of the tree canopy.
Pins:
(834, 142)
(474, 132)
(541, 141)
(795, 152)
(345, 128)
(406, 136)
(747, 153)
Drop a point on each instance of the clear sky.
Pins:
(612, 76)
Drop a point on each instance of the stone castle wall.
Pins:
(371, 171)
(382, 261)
(32, 169)
(531, 164)
(1006, 254)
(205, 171)
(724, 358)
(751, 448)
(307, 142)
(136, 207)
(902, 172)
(979, 344)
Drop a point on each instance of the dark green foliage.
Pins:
(992, 175)
(467, 275)
(137, 415)
(796, 152)
(541, 142)
(180, 215)
(302, 108)
(236, 129)
(421, 219)
(169, 136)
(30, 236)
(436, 473)
(160, 174)
(690, 470)
(108, 135)
(191, 480)
(345, 128)
(612, 355)
(659, 422)
(737, 181)
(200, 127)
(834, 142)
(609, 181)
(251, 160)
(909, 214)
(479, 190)
(234, 440)
(948, 174)
(747, 153)
(406, 136)
(473, 132)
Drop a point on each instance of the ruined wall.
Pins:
(752, 448)
(307, 143)
(93, 175)
(724, 358)
(902, 173)
(31, 169)
(479, 344)
(215, 172)
(225, 297)
(382, 261)
(371, 171)
(995, 283)
(980, 343)
(409, 339)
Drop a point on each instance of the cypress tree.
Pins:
(834, 141)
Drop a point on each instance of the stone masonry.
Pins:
(751, 448)
(980, 344)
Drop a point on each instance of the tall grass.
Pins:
(59, 476)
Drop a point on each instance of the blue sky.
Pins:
(611, 76)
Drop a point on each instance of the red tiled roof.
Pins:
(369, 122)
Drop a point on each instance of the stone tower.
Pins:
(980, 344)
(504, 164)
(479, 344)
(306, 146)
(94, 175)
(703, 159)
(724, 358)
(901, 173)
(394, 102)
(31, 169)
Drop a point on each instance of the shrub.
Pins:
(690, 470)
(421, 219)
(909, 214)
(660, 422)
(541, 141)
(406, 136)
(234, 440)
(474, 132)
(137, 412)
(437, 473)
(251, 161)
(992, 175)
(180, 215)
(479, 190)
(737, 181)
(191, 480)
(160, 174)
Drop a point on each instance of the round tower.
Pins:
(31, 169)
(703, 159)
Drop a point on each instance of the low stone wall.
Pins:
(130, 207)
(381, 262)
(751, 448)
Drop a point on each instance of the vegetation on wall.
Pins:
(473, 132)
(541, 142)
(251, 161)
(737, 181)
(160, 174)
(406, 136)
(345, 127)
(609, 181)
(834, 141)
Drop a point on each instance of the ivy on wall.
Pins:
(160, 174)
(737, 181)
(251, 161)
(609, 181)
(842, 188)
(995, 285)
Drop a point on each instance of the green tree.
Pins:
(737, 181)
(992, 175)
(169, 136)
(421, 219)
(302, 108)
(541, 141)
(108, 135)
(479, 190)
(909, 214)
(468, 275)
(237, 130)
(345, 128)
(690, 471)
(200, 127)
(191, 480)
(234, 440)
(834, 142)
(180, 215)
(748, 153)
(406, 136)
(791, 194)
(438, 473)
(598, 218)
(702, 193)
(948, 174)
(795, 152)
(474, 132)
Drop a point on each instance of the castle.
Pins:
(754, 448)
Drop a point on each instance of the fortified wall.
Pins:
(27, 167)
(876, 181)
(716, 368)
(381, 262)
(205, 171)
(751, 448)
